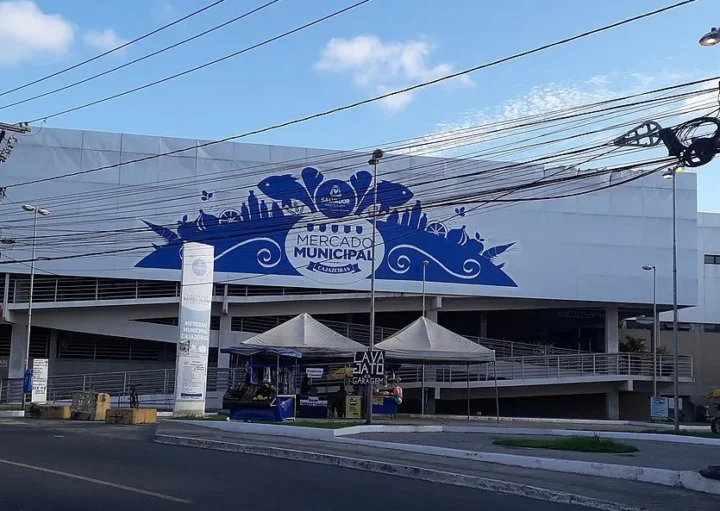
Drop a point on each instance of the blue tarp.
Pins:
(284, 409)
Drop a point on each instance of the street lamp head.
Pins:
(648, 267)
(43, 211)
(711, 38)
(668, 174)
(376, 157)
(426, 262)
(29, 207)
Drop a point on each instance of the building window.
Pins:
(712, 259)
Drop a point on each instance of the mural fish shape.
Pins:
(390, 195)
(286, 189)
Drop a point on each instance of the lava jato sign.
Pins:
(369, 367)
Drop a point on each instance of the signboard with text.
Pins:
(659, 407)
(194, 329)
(369, 367)
(39, 381)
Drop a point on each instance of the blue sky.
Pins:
(380, 46)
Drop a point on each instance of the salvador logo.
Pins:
(321, 230)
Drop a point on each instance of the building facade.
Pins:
(545, 283)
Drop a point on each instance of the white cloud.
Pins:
(104, 40)
(26, 32)
(553, 97)
(379, 67)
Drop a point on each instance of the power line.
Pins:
(125, 45)
(366, 101)
(456, 165)
(140, 59)
(203, 66)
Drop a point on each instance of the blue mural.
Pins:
(321, 229)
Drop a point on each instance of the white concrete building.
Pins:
(545, 283)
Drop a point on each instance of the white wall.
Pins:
(587, 248)
(708, 309)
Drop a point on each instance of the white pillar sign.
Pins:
(39, 381)
(191, 365)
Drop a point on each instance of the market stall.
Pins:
(425, 342)
(318, 346)
(266, 390)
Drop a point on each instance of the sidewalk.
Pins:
(639, 495)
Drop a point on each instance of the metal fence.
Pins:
(156, 387)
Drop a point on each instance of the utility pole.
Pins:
(8, 139)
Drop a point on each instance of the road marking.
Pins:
(11, 422)
(96, 481)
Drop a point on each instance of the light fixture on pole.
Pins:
(711, 38)
(672, 174)
(655, 336)
(374, 161)
(36, 211)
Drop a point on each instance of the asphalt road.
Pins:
(90, 467)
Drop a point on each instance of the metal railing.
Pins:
(67, 289)
(556, 367)
(158, 386)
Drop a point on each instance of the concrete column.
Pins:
(225, 338)
(483, 324)
(52, 351)
(434, 304)
(612, 405)
(18, 349)
(612, 332)
(430, 400)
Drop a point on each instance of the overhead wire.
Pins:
(372, 99)
(141, 59)
(229, 174)
(113, 50)
(204, 65)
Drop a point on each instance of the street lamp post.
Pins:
(425, 263)
(655, 337)
(422, 383)
(374, 161)
(672, 175)
(36, 211)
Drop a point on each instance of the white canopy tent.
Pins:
(305, 334)
(424, 341)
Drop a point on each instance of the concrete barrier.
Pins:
(48, 412)
(131, 416)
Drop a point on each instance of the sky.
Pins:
(375, 48)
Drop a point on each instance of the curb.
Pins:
(310, 433)
(407, 471)
(665, 477)
(4, 414)
(618, 435)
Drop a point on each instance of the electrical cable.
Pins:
(205, 65)
(375, 98)
(140, 59)
(113, 50)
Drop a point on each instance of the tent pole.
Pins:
(467, 388)
(497, 395)
(422, 391)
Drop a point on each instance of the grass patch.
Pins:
(574, 443)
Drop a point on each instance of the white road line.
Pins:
(96, 481)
